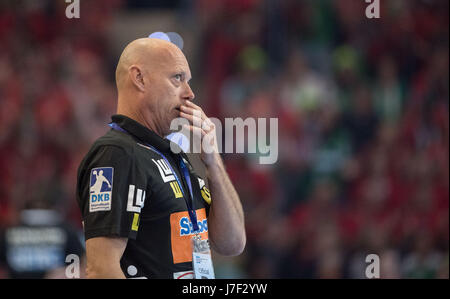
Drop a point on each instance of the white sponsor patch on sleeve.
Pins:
(100, 189)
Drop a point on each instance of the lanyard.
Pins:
(185, 173)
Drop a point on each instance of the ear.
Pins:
(137, 77)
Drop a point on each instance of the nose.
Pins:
(188, 94)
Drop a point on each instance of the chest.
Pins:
(168, 187)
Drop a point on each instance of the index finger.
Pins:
(192, 105)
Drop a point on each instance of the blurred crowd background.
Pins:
(362, 105)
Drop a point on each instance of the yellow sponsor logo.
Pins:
(176, 189)
(206, 194)
(135, 224)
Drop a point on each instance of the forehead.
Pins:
(172, 59)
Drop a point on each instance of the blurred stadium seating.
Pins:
(362, 107)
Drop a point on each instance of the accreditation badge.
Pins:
(201, 258)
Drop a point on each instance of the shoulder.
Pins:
(114, 147)
(115, 141)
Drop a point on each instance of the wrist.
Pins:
(215, 163)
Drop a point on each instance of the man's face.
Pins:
(168, 88)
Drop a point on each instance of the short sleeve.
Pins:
(111, 193)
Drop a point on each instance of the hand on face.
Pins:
(204, 129)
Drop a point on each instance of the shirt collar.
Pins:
(142, 133)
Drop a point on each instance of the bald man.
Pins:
(156, 218)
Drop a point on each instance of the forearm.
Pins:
(226, 217)
(103, 257)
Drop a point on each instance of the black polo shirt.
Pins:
(125, 189)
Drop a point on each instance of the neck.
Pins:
(129, 110)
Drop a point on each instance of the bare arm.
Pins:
(103, 257)
(226, 217)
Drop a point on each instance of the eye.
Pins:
(178, 77)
